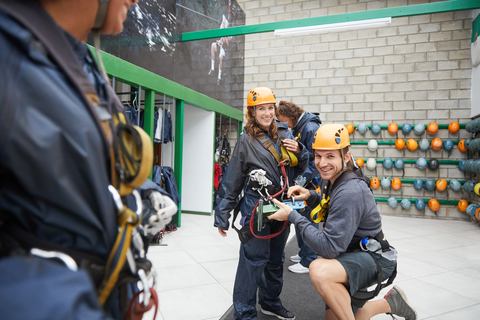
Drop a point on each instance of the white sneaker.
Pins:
(298, 268)
(296, 258)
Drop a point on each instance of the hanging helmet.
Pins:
(436, 144)
(469, 186)
(468, 165)
(471, 209)
(421, 163)
(434, 205)
(469, 126)
(392, 128)
(441, 185)
(406, 128)
(385, 183)
(433, 164)
(350, 128)
(400, 144)
(331, 136)
(476, 125)
(419, 129)
(424, 144)
(420, 204)
(455, 185)
(462, 205)
(360, 162)
(432, 128)
(396, 183)
(476, 166)
(453, 127)
(429, 185)
(371, 163)
(412, 144)
(461, 146)
(406, 204)
(399, 164)
(476, 189)
(392, 202)
(260, 95)
(362, 128)
(387, 163)
(447, 145)
(467, 143)
(477, 213)
(375, 183)
(372, 145)
(375, 129)
(461, 165)
(418, 184)
(475, 145)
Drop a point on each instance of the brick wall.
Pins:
(418, 69)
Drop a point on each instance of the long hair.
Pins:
(290, 110)
(253, 129)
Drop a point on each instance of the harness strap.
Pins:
(268, 144)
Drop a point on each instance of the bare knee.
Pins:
(319, 272)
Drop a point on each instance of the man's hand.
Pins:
(298, 192)
(159, 212)
(222, 232)
(282, 213)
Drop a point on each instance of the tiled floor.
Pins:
(438, 268)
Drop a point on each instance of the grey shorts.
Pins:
(362, 270)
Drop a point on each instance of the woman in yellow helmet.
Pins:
(254, 169)
(349, 263)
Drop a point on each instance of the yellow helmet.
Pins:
(331, 136)
(260, 95)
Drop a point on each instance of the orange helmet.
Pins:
(412, 144)
(462, 205)
(392, 128)
(434, 205)
(436, 144)
(461, 146)
(400, 144)
(441, 185)
(432, 128)
(260, 95)
(331, 136)
(453, 127)
(375, 183)
(396, 183)
(360, 162)
(350, 128)
(477, 213)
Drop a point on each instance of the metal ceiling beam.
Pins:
(396, 12)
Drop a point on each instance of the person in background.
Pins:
(255, 169)
(58, 198)
(348, 266)
(304, 125)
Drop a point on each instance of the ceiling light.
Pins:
(335, 27)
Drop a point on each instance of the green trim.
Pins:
(411, 181)
(131, 74)
(202, 213)
(440, 126)
(397, 12)
(391, 142)
(455, 162)
(178, 162)
(440, 201)
(149, 115)
(240, 128)
(475, 28)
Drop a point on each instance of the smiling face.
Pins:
(264, 114)
(116, 15)
(329, 163)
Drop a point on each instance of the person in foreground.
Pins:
(72, 238)
(256, 168)
(350, 212)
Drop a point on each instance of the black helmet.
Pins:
(433, 164)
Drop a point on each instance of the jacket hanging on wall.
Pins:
(164, 177)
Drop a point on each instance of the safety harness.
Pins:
(360, 297)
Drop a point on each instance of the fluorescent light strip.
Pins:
(335, 27)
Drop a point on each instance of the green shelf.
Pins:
(440, 201)
(454, 162)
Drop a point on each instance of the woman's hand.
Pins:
(291, 145)
(298, 192)
(222, 232)
(282, 213)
